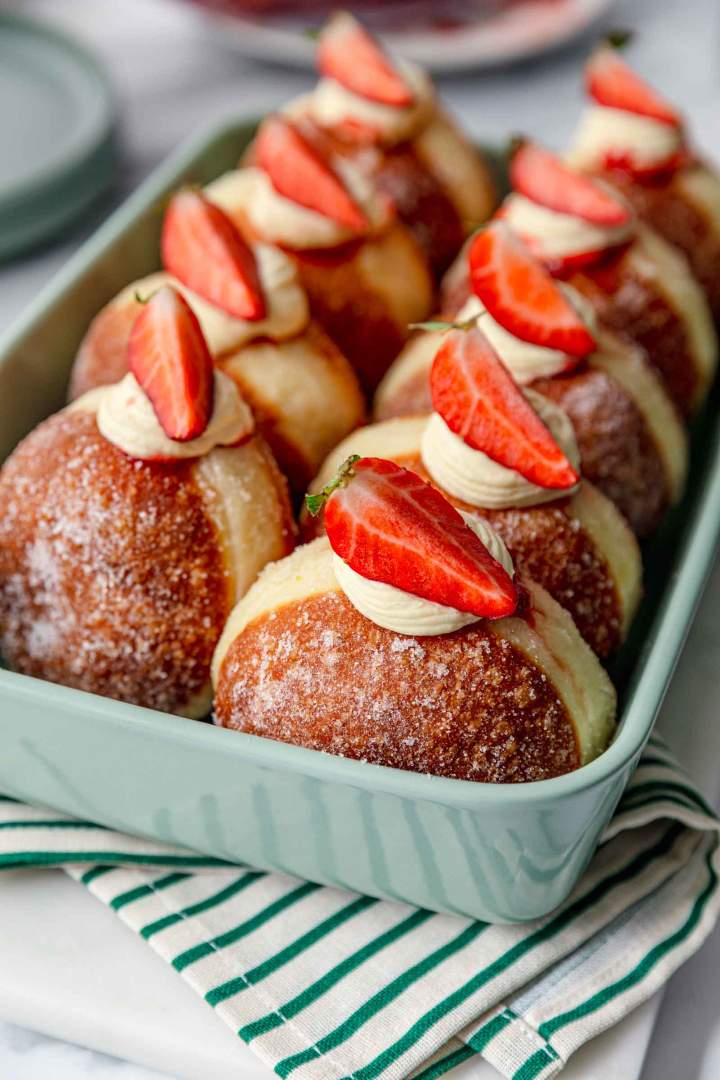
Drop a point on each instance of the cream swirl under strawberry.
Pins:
(279, 219)
(406, 613)
(126, 418)
(526, 360)
(473, 476)
(363, 88)
(566, 218)
(628, 126)
(638, 140)
(333, 105)
(610, 138)
(287, 311)
(172, 404)
(364, 274)
(558, 237)
(405, 558)
(539, 327)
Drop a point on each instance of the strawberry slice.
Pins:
(203, 249)
(481, 403)
(168, 356)
(389, 525)
(298, 170)
(522, 296)
(610, 81)
(545, 179)
(350, 55)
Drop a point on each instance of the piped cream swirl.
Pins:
(287, 313)
(126, 418)
(331, 104)
(553, 235)
(249, 193)
(523, 359)
(472, 476)
(605, 133)
(403, 612)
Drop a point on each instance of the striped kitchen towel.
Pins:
(323, 983)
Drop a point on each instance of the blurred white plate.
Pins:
(515, 30)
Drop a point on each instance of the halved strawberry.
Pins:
(522, 296)
(203, 249)
(348, 53)
(298, 171)
(610, 81)
(168, 356)
(481, 403)
(545, 179)
(389, 525)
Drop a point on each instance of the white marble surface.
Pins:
(171, 81)
(28, 1055)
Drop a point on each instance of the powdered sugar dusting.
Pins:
(315, 672)
(111, 576)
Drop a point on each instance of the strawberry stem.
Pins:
(145, 299)
(438, 324)
(316, 502)
(515, 143)
(618, 39)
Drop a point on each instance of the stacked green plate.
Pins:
(57, 133)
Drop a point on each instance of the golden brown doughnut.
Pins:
(518, 699)
(117, 575)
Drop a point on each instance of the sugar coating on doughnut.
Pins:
(112, 578)
(465, 705)
(513, 699)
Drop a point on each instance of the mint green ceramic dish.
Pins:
(496, 852)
